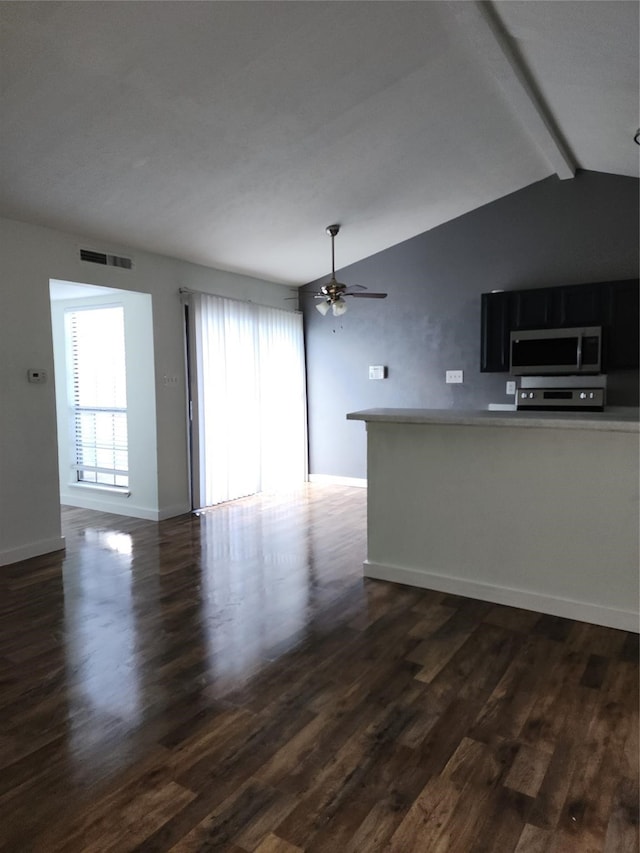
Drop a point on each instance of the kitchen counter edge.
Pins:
(614, 420)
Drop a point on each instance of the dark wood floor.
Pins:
(229, 682)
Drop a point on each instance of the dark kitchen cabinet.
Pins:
(578, 305)
(532, 309)
(495, 307)
(621, 313)
(614, 305)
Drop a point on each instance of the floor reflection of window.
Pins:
(102, 630)
(255, 586)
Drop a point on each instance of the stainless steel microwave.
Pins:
(543, 352)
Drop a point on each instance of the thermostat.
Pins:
(37, 376)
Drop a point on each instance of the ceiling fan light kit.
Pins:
(332, 295)
(339, 307)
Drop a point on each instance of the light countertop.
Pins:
(620, 419)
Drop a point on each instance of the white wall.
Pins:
(544, 518)
(31, 255)
(141, 501)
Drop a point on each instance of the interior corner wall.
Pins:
(29, 482)
(550, 233)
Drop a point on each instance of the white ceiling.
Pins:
(231, 133)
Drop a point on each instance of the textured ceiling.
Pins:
(232, 133)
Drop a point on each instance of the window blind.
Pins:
(249, 399)
(99, 395)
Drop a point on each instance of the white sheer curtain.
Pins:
(248, 394)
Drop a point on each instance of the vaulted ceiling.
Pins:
(231, 133)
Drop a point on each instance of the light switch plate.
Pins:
(511, 387)
(377, 371)
(454, 376)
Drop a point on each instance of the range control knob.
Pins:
(531, 395)
(523, 395)
(583, 396)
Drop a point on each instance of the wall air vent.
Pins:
(106, 260)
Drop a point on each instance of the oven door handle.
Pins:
(579, 352)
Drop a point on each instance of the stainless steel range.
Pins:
(562, 393)
(561, 399)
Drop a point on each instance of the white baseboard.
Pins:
(625, 620)
(88, 501)
(332, 480)
(33, 549)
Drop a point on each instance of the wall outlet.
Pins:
(377, 371)
(454, 376)
(511, 387)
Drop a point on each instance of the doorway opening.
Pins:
(105, 398)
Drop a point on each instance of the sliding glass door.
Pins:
(248, 398)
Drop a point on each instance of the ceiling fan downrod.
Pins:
(333, 231)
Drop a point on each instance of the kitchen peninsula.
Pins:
(538, 510)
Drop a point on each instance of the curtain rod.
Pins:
(185, 291)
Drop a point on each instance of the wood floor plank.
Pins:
(512, 618)
(583, 822)
(437, 650)
(229, 819)
(178, 826)
(528, 770)
(231, 682)
(433, 619)
(261, 826)
(373, 808)
(622, 828)
(512, 700)
(500, 828)
(571, 750)
(273, 844)
(338, 793)
(533, 840)
(138, 817)
(427, 818)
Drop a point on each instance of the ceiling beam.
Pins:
(497, 51)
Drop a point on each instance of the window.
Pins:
(249, 399)
(96, 351)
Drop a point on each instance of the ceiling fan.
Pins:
(332, 295)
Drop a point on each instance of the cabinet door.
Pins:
(621, 321)
(579, 305)
(533, 309)
(494, 357)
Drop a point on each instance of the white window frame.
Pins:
(112, 477)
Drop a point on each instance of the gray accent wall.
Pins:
(550, 233)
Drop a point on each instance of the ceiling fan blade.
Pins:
(367, 295)
(351, 287)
